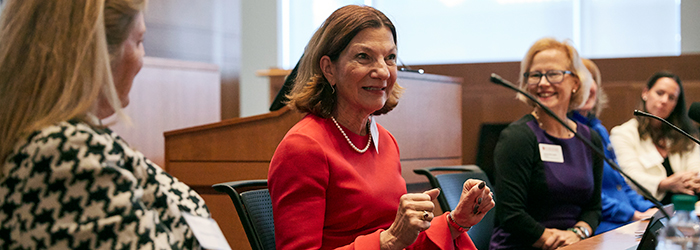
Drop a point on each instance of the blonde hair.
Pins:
(55, 62)
(601, 98)
(312, 92)
(575, 65)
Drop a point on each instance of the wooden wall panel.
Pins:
(203, 31)
(169, 94)
(254, 138)
(426, 123)
(202, 174)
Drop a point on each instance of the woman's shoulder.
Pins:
(305, 137)
(518, 134)
(63, 141)
(309, 124)
(631, 123)
(627, 127)
(62, 136)
(310, 129)
(520, 126)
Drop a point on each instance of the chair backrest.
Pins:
(488, 137)
(254, 206)
(451, 189)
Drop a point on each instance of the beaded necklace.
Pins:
(348, 138)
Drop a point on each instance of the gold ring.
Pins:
(425, 214)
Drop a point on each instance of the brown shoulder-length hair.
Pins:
(678, 117)
(575, 65)
(312, 92)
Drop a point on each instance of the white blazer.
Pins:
(642, 161)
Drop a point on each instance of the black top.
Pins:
(281, 97)
(669, 171)
(534, 195)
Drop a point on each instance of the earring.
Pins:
(644, 98)
(573, 91)
(333, 89)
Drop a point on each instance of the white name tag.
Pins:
(551, 153)
(207, 232)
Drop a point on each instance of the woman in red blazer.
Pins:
(335, 179)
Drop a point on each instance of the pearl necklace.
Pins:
(348, 139)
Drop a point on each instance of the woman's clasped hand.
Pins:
(416, 212)
(413, 216)
(682, 183)
(475, 201)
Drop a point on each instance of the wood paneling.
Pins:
(426, 123)
(253, 138)
(169, 94)
(203, 173)
(203, 31)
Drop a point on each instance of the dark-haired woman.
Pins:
(662, 160)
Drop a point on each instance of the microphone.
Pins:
(500, 81)
(642, 113)
(405, 68)
(694, 111)
(419, 71)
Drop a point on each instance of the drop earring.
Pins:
(332, 89)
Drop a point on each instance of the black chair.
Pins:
(451, 183)
(254, 206)
(488, 137)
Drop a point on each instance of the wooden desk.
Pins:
(619, 239)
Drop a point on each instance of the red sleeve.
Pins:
(438, 236)
(298, 195)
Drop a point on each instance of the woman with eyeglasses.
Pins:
(547, 181)
(662, 160)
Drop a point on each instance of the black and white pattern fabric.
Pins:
(72, 186)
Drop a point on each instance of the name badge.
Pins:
(207, 232)
(551, 153)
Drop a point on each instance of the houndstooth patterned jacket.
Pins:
(72, 186)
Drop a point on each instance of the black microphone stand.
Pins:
(642, 113)
(498, 80)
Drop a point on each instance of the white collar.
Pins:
(374, 132)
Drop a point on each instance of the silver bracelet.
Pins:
(578, 232)
(584, 230)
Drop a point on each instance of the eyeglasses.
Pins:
(553, 76)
